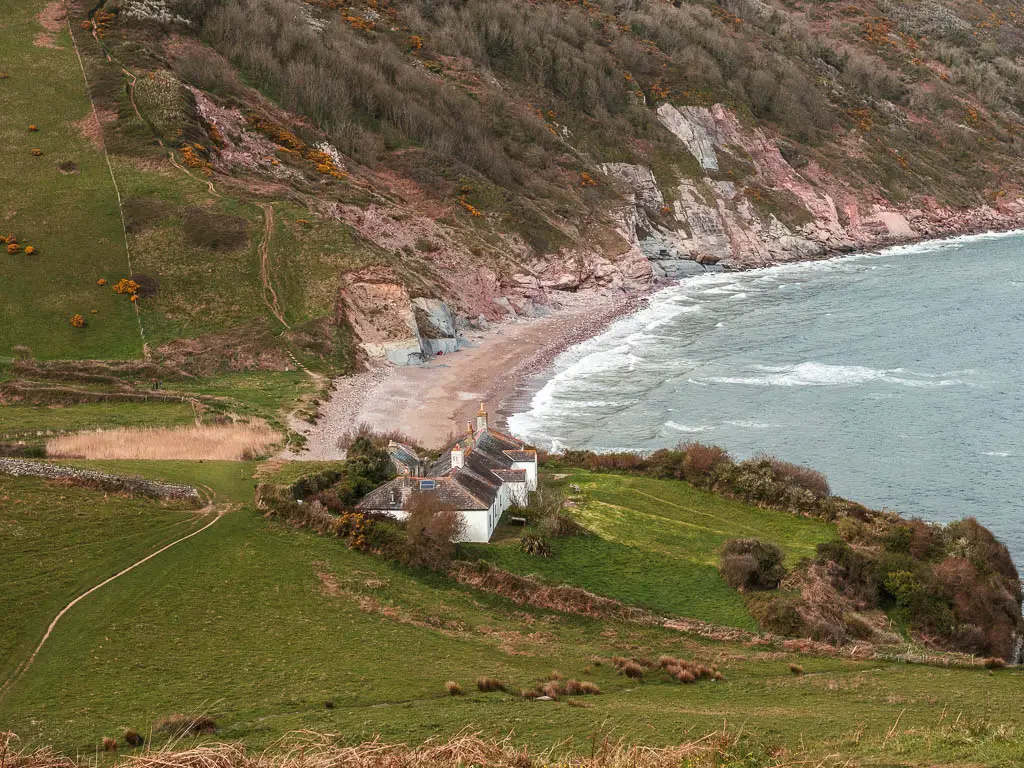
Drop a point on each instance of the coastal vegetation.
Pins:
(267, 598)
(953, 586)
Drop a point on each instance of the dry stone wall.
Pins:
(116, 483)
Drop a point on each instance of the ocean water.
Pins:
(899, 374)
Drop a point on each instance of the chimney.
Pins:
(481, 418)
(458, 457)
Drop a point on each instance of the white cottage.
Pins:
(481, 474)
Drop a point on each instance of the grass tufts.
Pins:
(453, 688)
(489, 684)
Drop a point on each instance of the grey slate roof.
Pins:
(488, 463)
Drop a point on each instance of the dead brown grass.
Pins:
(51, 18)
(524, 590)
(228, 442)
(315, 751)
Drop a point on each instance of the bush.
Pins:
(632, 670)
(431, 531)
(453, 688)
(559, 525)
(995, 663)
(701, 463)
(534, 545)
(132, 738)
(778, 614)
(796, 669)
(751, 564)
(489, 684)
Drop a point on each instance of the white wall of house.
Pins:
(518, 494)
(531, 473)
(478, 527)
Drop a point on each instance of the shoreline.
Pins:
(504, 367)
(428, 403)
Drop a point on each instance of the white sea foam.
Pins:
(813, 374)
(686, 428)
(1000, 454)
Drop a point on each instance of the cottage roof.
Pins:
(404, 454)
(511, 475)
(526, 455)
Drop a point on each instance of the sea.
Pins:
(899, 374)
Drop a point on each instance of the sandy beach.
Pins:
(431, 402)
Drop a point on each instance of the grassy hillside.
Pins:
(656, 544)
(58, 541)
(259, 625)
(62, 203)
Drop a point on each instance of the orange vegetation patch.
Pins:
(227, 442)
(51, 18)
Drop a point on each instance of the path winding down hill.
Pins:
(220, 510)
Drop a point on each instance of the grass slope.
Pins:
(28, 420)
(656, 544)
(71, 218)
(57, 541)
(260, 625)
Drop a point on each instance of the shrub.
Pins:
(561, 524)
(995, 663)
(796, 669)
(33, 128)
(632, 670)
(77, 321)
(453, 688)
(778, 614)
(534, 545)
(489, 684)
(36, 151)
(431, 531)
(588, 688)
(701, 463)
(30, 249)
(178, 724)
(101, 281)
(751, 564)
(13, 248)
(132, 738)
(109, 744)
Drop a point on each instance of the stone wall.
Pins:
(116, 483)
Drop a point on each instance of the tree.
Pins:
(431, 531)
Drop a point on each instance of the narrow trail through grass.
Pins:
(20, 670)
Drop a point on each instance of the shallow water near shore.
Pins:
(899, 374)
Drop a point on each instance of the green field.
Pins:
(27, 420)
(656, 544)
(260, 625)
(71, 218)
(58, 540)
(71, 215)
